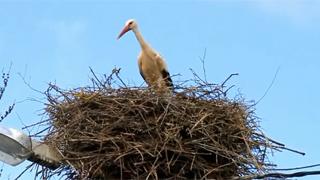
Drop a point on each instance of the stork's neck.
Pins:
(139, 37)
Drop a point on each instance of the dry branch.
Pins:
(5, 78)
(278, 175)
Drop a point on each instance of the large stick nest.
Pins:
(104, 132)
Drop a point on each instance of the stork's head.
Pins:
(130, 25)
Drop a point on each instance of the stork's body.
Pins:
(152, 66)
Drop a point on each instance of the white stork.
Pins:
(152, 66)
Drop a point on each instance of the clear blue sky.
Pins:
(57, 41)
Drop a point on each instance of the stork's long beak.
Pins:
(124, 30)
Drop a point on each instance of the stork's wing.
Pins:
(164, 72)
(166, 77)
(140, 70)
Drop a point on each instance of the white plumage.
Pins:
(152, 66)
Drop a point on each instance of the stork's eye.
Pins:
(130, 22)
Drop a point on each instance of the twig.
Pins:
(28, 84)
(7, 112)
(1, 169)
(269, 87)
(292, 150)
(116, 71)
(197, 77)
(28, 167)
(5, 78)
(296, 168)
(225, 92)
(269, 139)
(203, 65)
(234, 74)
(96, 78)
(277, 175)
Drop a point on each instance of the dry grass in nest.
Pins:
(133, 133)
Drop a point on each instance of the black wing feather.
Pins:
(142, 75)
(167, 78)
